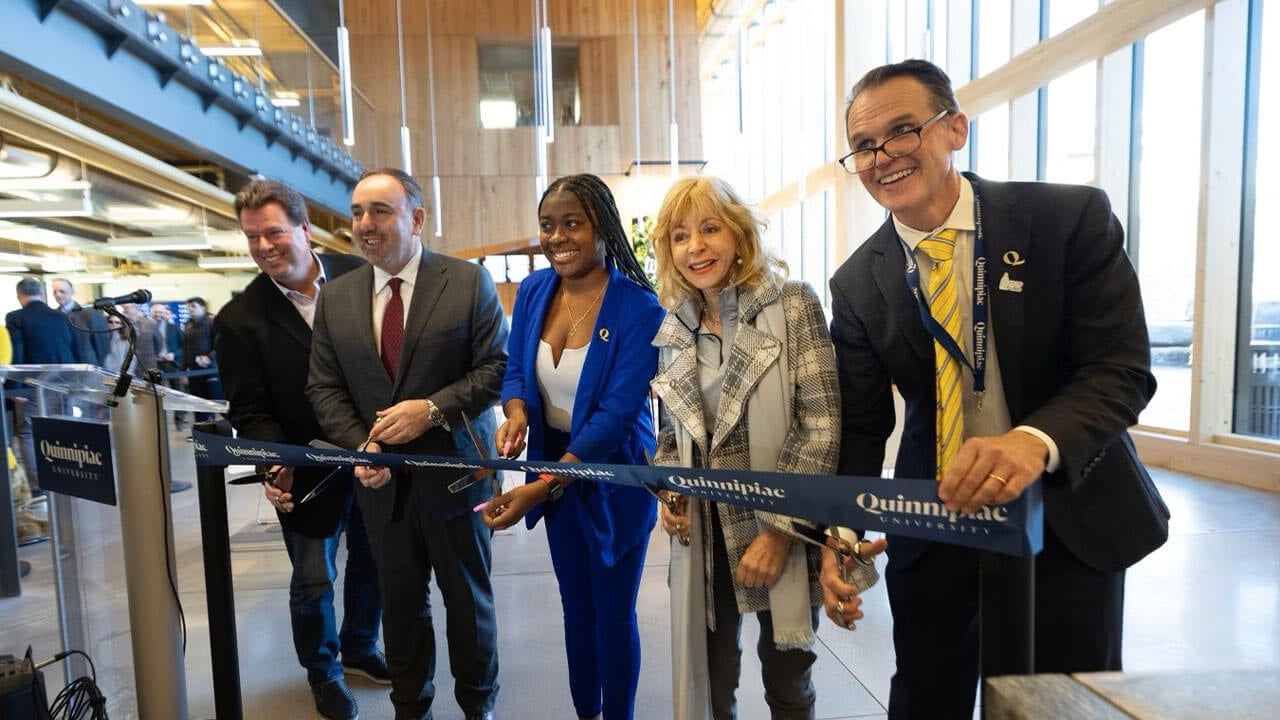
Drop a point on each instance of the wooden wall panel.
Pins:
(585, 19)
(597, 149)
(487, 182)
(598, 80)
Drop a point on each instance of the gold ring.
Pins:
(840, 609)
(998, 478)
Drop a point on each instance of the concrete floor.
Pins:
(1208, 600)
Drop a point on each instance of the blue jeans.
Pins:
(316, 636)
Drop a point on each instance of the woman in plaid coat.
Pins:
(747, 380)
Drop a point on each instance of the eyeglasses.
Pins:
(895, 146)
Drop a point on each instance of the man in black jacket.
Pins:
(1010, 320)
(198, 353)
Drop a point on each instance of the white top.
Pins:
(382, 293)
(305, 304)
(993, 419)
(558, 384)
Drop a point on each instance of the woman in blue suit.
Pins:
(576, 390)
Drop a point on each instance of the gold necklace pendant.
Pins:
(574, 324)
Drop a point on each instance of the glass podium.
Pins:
(93, 544)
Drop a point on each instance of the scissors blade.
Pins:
(474, 476)
(475, 439)
(322, 485)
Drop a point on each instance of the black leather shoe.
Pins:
(372, 668)
(24, 568)
(334, 701)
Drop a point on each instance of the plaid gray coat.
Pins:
(811, 424)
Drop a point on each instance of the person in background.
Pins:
(1043, 394)
(576, 389)
(198, 353)
(170, 359)
(148, 342)
(29, 527)
(263, 340)
(39, 335)
(92, 337)
(118, 348)
(747, 380)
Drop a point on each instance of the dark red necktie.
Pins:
(392, 329)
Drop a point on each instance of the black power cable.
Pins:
(80, 699)
(153, 376)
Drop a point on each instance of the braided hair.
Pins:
(601, 209)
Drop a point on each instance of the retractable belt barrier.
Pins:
(901, 506)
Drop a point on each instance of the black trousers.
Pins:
(1079, 613)
(407, 550)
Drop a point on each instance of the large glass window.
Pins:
(1258, 382)
(1070, 126)
(989, 138)
(1065, 13)
(995, 28)
(1168, 209)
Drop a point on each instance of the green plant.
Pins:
(641, 245)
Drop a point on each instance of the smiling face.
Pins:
(703, 250)
(384, 226)
(567, 237)
(919, 188)
(281, 249)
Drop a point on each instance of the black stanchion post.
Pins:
(216, 540)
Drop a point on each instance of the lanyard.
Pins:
(979, 365)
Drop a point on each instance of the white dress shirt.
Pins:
(382, 293)
(305, 304)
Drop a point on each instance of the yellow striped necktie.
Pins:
(944, 305)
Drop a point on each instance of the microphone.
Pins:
(137, 296)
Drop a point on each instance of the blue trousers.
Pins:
(601, 638)
(316, 636)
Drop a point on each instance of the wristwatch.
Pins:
(555, 488)
(435, 416)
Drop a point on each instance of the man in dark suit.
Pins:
(1066, 372)
(92, 338)
(170, 357)
(198, 353)
(39, 335)
(401, 349)
(263, 338)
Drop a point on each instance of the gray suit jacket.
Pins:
(453, 354)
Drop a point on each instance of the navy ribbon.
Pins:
(900, 506)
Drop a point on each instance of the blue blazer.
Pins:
(611, 422)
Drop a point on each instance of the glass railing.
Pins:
(260, 42)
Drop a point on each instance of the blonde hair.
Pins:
(711, 196)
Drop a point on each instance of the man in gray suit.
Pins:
(400, 349)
